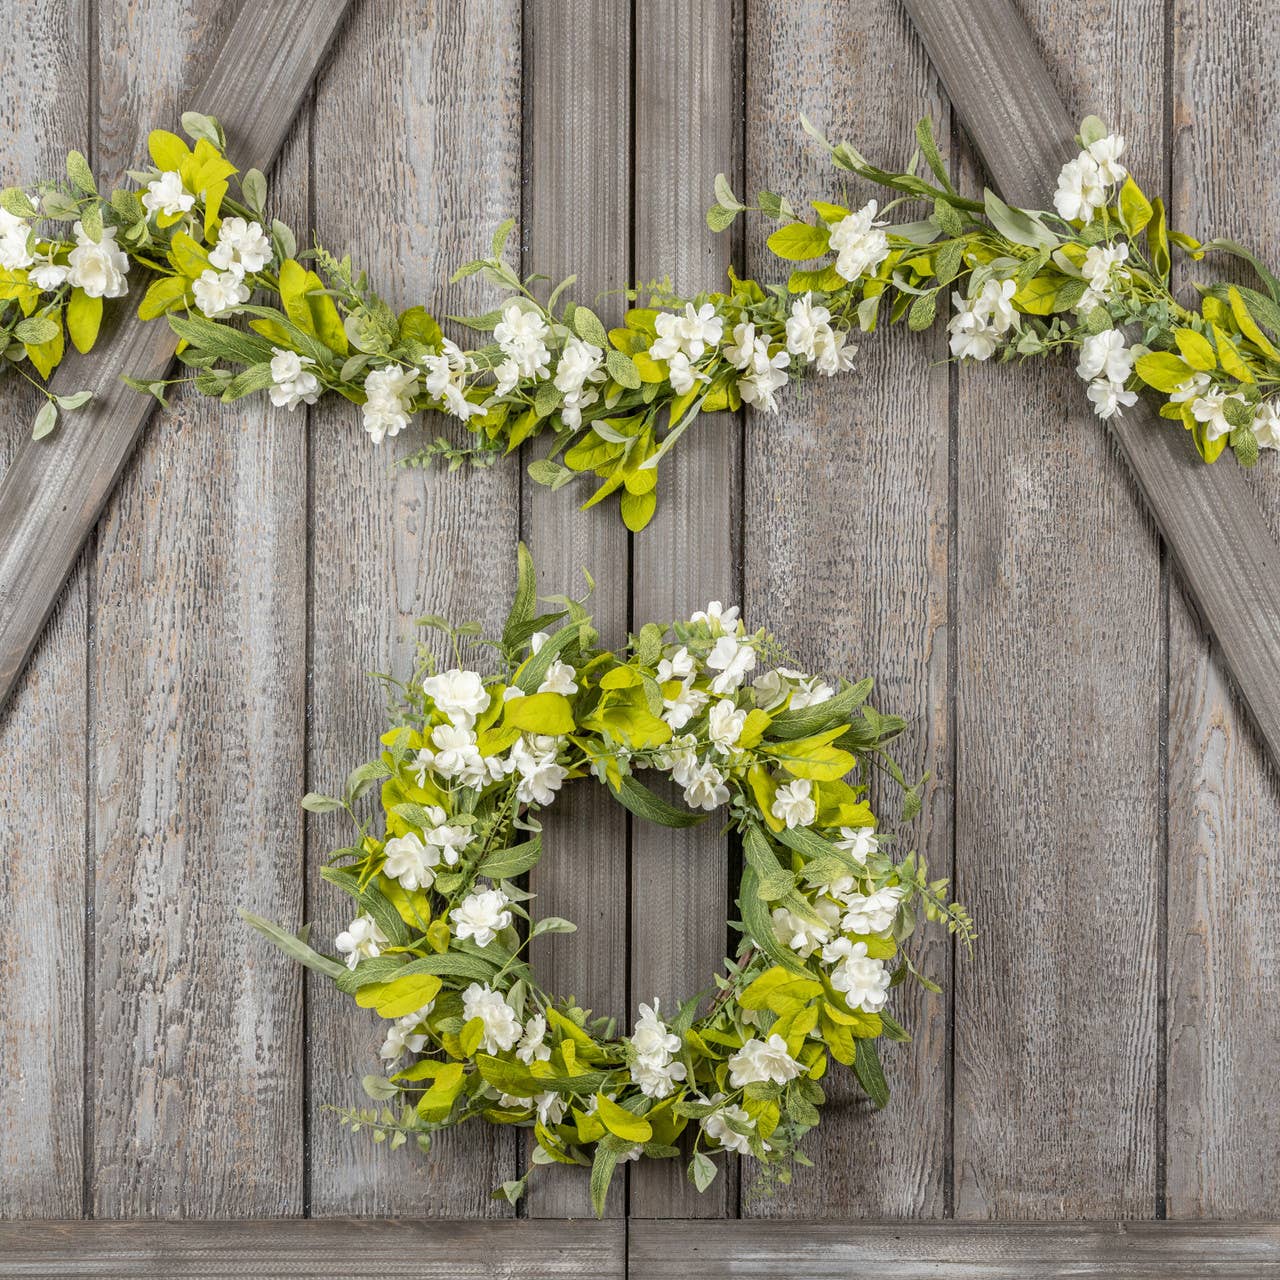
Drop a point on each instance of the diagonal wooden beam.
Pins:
(1228, 559)
(54, 489)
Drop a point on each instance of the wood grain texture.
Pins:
(1224, 797)
(1228, 559)
(334, 1249)
(846, 556)
(42, 809)
(416, 161)
(54, 489)
(1058, 710)
(577, 220)
(687, 129)
(197, 706)
(954, 1251)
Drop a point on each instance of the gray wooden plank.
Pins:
(577, 220)
(846, 533)
(1224, 798)
(54, 489)
(1058, 707)
(197, 732)
(390, 545)
(1227, 557)
(43, 809)
(954, 1251)
(687, 128)
(336, 1248)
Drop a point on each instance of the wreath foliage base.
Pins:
(438, 945)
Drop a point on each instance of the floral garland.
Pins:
(614, 402)
(436, 943)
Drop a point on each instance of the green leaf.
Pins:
(866, 1066)
(1239, 251)
(798, 242)
(294, 946)
(618, 1120)
(525, 600)
(922, 312)
(622, 369)
(74, 401)
(552, 924)
(1196, 349)
(550, 713)
(1135, 208)
(314, 802)
(1162, 370)
(638, 799)
(773, 880)
(589, 328)
(81, 174)
(1092, 130)
(45, 420)
(608, 1149)
(724, 193)
(1016, 224)
(37, 329)
(400, 996)
(719, 218)
(932, 156)
(253, 186)
(702, 1170)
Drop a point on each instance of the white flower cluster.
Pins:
(982, 320)
(1085, 183)
(859, 243)
(654, 1066)
(242, 250)
(1106, 364)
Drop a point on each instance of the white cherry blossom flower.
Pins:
(388, 403)
(501, 1026)
(15, 247)
(447, 839)
(293, 383)
(1106, 153)
(802, 935)
(1105, 355)
(219, 293)
(705, 788)
(679, 665)
(971, 337)
(461, 695)
(652, 1038)
(1266, 425)
(793, 803)
(858, 842)
(1108, 397)
(677, 711)
(682, 375)
(679, 757)
(46, 276)
(732, 658)
(167, 195)
(1082, 190)
(532, 1047)
(457, 756)
(360, 940)
(1191, 389)
(559, 679)
(657, 1080)
(832, 354)
(763, 1062)
(859, 243)
(809, 691)
(1211, 409)
(741, 351)
(718, 1130)
(243, 247)
(871, 913)
(98, 267)
(766, 376)
(717, 616)
(550, 1107)
(410, 862)
(807, 327)
(863, 980)
(725, 725)
(522, 335)
(403, 1035)
(457, 405)
(481, 915)
(666, 325)
(700, 329)
(507, 374)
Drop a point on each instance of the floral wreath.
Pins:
(435, 947)
(1087, 278)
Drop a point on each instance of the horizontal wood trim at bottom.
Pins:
(771, 1249)
(659, 1249)
(336, 1248)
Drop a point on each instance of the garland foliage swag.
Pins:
(254, 313)
(437, 944)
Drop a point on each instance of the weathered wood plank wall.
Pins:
(970, 539)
